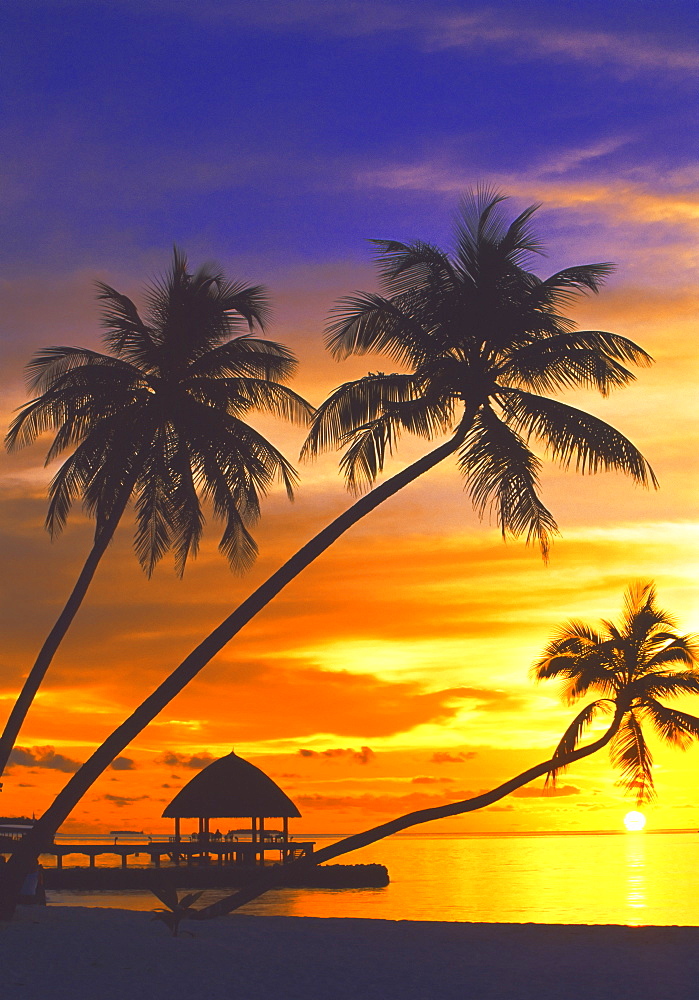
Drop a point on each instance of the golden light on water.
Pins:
(634, 821)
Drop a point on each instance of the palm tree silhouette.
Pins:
(631, 665)
(159, 421)
(484, 337)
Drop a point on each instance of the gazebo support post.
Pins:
(285, 849)
(262, 840)
(176, 857)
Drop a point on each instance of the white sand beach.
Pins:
(78, 953)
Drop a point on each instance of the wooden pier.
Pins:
(230, 851)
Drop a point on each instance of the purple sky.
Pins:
(263, 132)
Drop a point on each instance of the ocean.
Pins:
(587, 878)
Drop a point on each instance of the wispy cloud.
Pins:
(194, 762)
(529, 792)
(362, 756)
(445, 757)
(121, 801)
(44, 757)
(436, 26)
(632, 53)
(123, 764)
(615, 199)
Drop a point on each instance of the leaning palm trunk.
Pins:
(24, 858)
(276, 876)
(103, 537)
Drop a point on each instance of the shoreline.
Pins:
(69, 952)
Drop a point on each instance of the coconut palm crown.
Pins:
(484, 339)
(160, 419)
(632, 664)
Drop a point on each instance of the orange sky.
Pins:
(413, 636)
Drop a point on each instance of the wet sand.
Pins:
(79, 953)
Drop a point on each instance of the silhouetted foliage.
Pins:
(483, 338)
(634, 663)
(176, 909)
(160, 421)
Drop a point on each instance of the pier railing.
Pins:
(231, 849)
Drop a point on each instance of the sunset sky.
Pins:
(275, 137)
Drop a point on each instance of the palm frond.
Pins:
(680, 649)
(241, 396)
(679, 729)
(125, 332)
(571, 737)
(487, 244)
(581, 660)
(572, 359)
(356, 405)
(186, 513)
(502, 473)
(48, 366)
(245, 357)
(630, 754)
(668, 685)
(193, 313)
(589, 675)
(364, 458)
(249, 301)
(367, 322)
(572, 436)
(238, 508)
(70, 483)
(521, 241)
(479, 219)
(155, 514)
(564, 286)
(642, 616)
(76, 400)
(573, 639)
(404, 267)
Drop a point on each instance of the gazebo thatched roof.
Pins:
(231, 786)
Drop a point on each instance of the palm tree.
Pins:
(159, 421)
(631, 664)
(484, 338)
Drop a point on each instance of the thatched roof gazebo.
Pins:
(231, 788)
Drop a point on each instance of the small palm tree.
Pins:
(631, 665)
(160, 421)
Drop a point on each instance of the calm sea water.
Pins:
(633, 878)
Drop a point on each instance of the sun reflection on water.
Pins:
(636, 873)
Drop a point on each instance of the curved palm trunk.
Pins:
(24, 857)
(47, 652)
(275, 877)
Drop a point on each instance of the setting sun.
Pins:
(634, 821)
